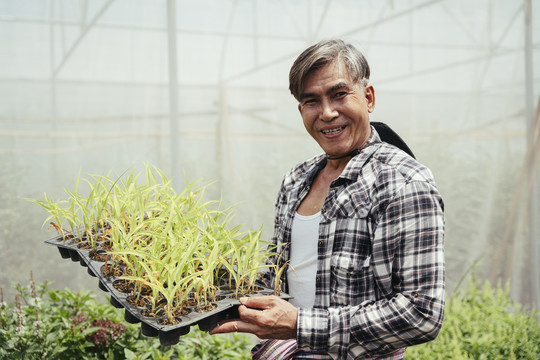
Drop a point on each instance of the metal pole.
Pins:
(173, 92)
(529, 111)
(221, 133)
(53, 90)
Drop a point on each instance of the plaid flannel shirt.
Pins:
(380, 267)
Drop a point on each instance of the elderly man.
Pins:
(362, 226)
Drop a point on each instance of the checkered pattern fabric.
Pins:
(380, 270)
(288, 349)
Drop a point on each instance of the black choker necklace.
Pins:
(351, 154)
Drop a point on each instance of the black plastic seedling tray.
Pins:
(226, 306)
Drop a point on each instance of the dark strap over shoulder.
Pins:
(390, 136)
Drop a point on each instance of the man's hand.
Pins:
(267, 317)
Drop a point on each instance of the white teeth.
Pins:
(332, 131)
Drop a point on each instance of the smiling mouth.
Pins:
(333, 131)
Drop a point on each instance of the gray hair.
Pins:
(324, 52)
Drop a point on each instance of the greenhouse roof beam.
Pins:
(509, 26)
(161, 29)
(245, 136)
(455, 64)
(463, 27)
(293, 19)
(82, 35)
(389, 18)
(84, 12)
(315, 32)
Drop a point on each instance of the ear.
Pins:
(369, 94)
(300, 108)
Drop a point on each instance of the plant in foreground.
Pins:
(56, 325)
(483, 323)
(168, 245)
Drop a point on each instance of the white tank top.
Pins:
(304, 238)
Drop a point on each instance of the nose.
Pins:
(328, 110)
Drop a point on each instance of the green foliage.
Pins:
(483, 323)
(480, 323)
(162, 237)
(51, 324)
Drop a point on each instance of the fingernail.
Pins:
(243, 299)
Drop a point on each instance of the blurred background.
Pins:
(200, 88)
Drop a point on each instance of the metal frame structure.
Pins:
(224, 135)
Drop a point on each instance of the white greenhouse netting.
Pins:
(200, 88)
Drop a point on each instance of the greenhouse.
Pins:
(199, 90)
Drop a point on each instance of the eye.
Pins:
(340, 94)
(309, 101)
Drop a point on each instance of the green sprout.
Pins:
(174, 248)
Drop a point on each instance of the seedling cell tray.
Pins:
(226, 305)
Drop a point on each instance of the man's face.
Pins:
(335, 109)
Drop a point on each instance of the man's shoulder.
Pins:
(390, 159)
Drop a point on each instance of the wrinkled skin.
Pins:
(267, 317)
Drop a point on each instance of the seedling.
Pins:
(175, 248)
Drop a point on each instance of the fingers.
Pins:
(249, 314)
(258, 310)
(237, 325)
(266, 317)
(229, 326)
(225, 327)
(259, 302)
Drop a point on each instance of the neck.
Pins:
(337, 163)
(329, 157)
(350, 155)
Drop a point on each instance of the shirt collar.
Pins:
(307, 172)
(357, 162)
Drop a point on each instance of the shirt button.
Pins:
(318, 279)
(323, 210)
(321, 243)
(349, 274)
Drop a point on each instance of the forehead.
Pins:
(330, 74)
